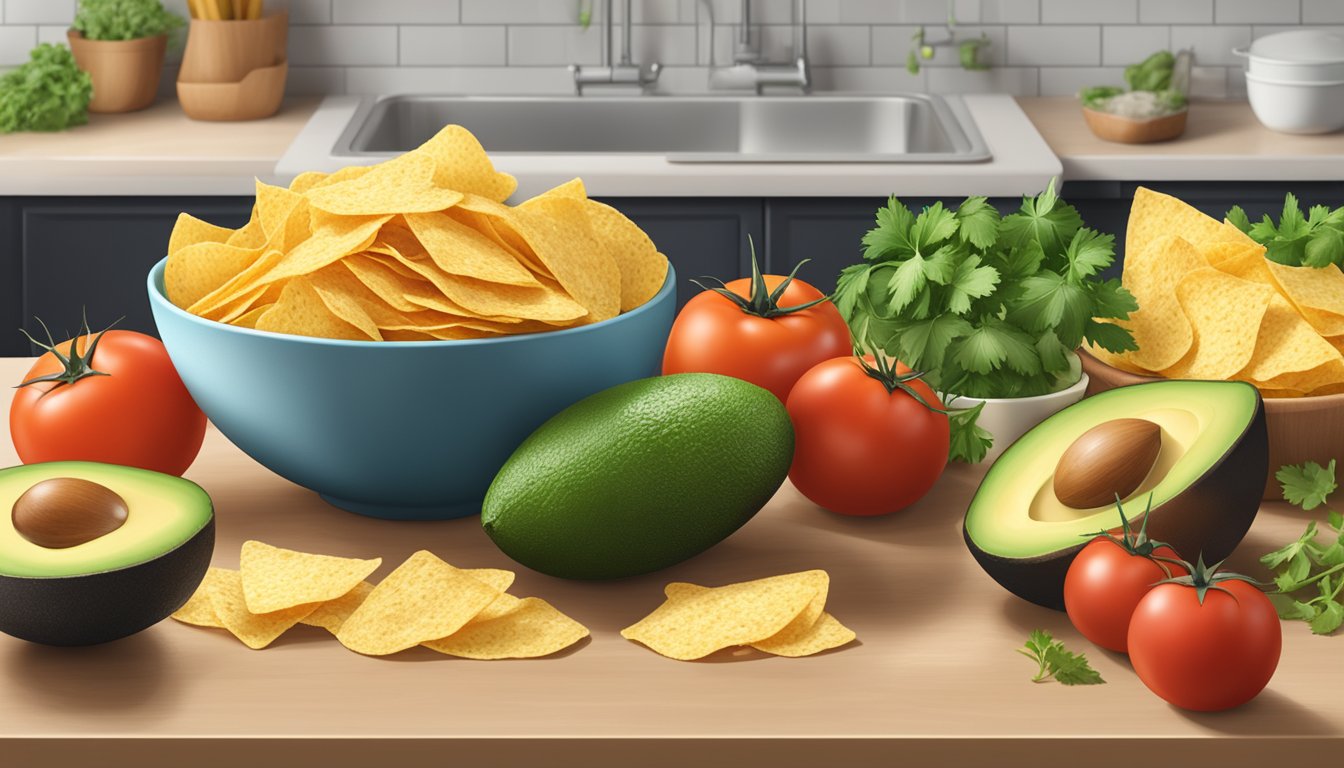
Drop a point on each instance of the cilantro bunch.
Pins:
(1307, 561)
(986, 306)
(46, 93)
(124, 19)
(1315, 240)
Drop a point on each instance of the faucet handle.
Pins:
(655, 69)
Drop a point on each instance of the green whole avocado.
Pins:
(640, 476)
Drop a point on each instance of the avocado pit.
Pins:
(65, 512)
(1109, 460)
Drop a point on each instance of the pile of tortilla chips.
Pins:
(419, 248)
(1211, 306)
(781, 615)
(425, 601)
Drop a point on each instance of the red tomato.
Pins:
(712, 334)
(1206, 657)
(859, 449)
(139, 414)
(1104, 584)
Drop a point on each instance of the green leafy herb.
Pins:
(1151, 74)
(47, 93)
(1307, 560)
(1055, 662)
(1314, 240)
(124, 19)
(1097, 96)
(985, 305)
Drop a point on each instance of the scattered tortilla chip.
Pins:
(198, 610)
(695, 623)
(332, 614)
(276, 578)
(423, 599)
(256, 630)
(529, 629)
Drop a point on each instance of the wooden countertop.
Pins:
(156, 151)
(1222, 141)
(932, 680)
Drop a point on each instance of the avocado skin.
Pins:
(1210, 518)
(101, 607)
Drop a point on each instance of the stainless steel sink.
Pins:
(905, 128)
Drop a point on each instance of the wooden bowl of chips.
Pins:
(1301, 429)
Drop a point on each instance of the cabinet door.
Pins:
(829, 232)
(701, 236)
(11, 281)
(93, 255)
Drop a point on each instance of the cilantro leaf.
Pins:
(969, 441)
(1055, 661)
(1292, 224)
(851, 284)
(979, 222)
(1049, 301)
(1307, 485)
(1043, 218)
(1071, 668)
(1109, 336)
(923, 343)
(1289, 551)
(913, 274)
(933, 225)
(995, 343)
(1054, 355)
(1023, 260)
(1111, 299)
(891, 236)
(1088, 253)
(1323, 248)
(1329, 618)
(970, 280)
(1237, 217)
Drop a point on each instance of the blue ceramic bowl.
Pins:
(409, 430)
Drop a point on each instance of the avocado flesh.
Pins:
(163, 513)
(1015, 513)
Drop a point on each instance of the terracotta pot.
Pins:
(1301, 429)
(234, 70)
(125, 73)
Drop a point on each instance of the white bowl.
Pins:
(1008, 418)
(1292, 107)
(1300, 56)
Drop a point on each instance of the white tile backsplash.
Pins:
(1090, 11)
(1175, 11)
(1212, 45)
(523, 46)
(1070, 45)
(1125, 45)
(440, 45)
(395, 12)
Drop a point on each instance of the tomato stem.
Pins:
(1206, 577)
(74, 365)
(760, 301)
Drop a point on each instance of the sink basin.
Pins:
(904, 128)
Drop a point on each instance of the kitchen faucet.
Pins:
(750, 71)
(625, 72)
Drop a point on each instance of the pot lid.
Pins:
(1303, 46)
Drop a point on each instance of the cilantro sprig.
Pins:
(1308, 561)
(985, 305)
(1055, 662)
(49, 92)
(1312, 240)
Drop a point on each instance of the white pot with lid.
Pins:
(1300, 56)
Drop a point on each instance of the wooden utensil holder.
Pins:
(234, 70)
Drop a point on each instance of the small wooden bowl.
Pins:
(256, 96)
(1301, 429)
(1127, 130)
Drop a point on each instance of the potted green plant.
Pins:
(990, 308)
(121, 44)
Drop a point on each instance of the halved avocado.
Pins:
(1205, 484)
(115, 583)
